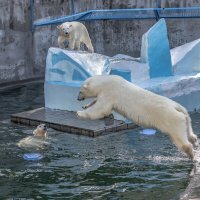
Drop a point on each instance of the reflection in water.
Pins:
(125, 165)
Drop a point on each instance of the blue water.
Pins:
(126, 165)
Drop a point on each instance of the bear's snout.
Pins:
(45, 127)
(80, 96)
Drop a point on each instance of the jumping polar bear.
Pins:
(75, 33)
(142, 106)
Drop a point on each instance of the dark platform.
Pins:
(67, 121)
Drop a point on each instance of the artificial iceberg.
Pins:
(186, 58)
(173, 73)
(155, 50)
(65, 71)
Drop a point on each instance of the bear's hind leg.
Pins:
(191, 136)
(181, 141)
(188, 149)
(89, 45)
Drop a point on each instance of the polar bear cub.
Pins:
(145, 108)
(38, 140)
(75, 33)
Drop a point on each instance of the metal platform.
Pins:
(67, 121)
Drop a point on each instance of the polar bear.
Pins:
(38, 140)
(75, 33)
(113, 93)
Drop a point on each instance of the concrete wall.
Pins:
(15, 41)
(22, 55)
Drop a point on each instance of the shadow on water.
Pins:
(117, 166)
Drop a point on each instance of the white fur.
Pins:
(142, 106)
(38, 140)
(33, 142)
(77, 33)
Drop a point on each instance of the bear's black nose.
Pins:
(45, 127)
(80, 97)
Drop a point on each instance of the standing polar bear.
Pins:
(142, 106)
(75, 33)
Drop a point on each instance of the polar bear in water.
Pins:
(142, 106)
(74, 33)
(38, 140)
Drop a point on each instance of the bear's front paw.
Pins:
(81, 114)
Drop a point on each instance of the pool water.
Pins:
(126, 165)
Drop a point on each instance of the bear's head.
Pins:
(40, 131)
(65, 28)
(90, 88)
(96, 85)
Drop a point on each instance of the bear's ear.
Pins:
(58, 27)
(70, 25)
(85, 86)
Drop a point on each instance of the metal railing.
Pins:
(123, 14)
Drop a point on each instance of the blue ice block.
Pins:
(186, 58)
(64, 65)
(155, 50)
(65, 72)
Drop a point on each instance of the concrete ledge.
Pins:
(192, 191)
(67, 121)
